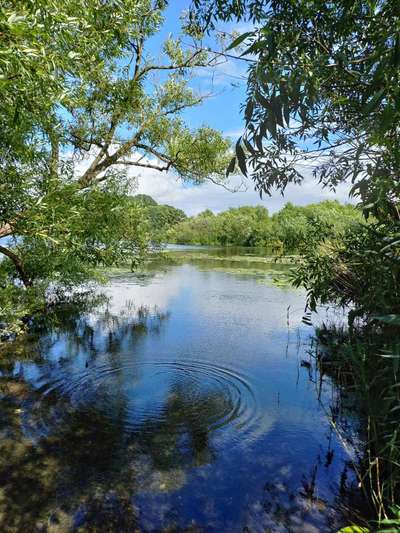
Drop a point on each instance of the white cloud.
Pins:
(167, 189)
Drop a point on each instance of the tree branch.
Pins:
(147, 165)
(139, 53)
(186, 64)
(156, 153)
(54, 156)
(18, 265)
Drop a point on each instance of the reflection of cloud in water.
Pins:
(265, 422)
(148, 290)
(211, 294)
(244, 303)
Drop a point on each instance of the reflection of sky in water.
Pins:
(207, 386)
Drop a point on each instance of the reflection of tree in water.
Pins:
(85, 322)
(291, 502)
(83, 471)
(58, 480)
(88, 466)
(181, 436)
(58, 321)
(287, 507)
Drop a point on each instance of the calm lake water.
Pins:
(182, 402)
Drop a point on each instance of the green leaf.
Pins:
(390, 245)
(231, 166)
(258, 139)
(239, 40)
(249, 110)
(249, 146)
(241, 156)
(264, 102)
(374, 102)
(271, 125)
(286, 113)
(277, 109)
(387, 118)
(391, 320)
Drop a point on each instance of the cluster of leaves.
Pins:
(360, 271)
(207, 11)
(292, 229)
(82, 232)
(16, 305)
(242, 226)
(323, 93)
(346, 270)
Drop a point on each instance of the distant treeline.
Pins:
(287, 230)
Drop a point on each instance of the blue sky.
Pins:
(222, 111)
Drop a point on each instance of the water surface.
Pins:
(182, 402)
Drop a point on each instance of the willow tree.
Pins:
(82, 100)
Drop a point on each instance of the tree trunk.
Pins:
(18, 265)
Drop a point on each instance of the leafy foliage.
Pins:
(289, 230)
(323, 92)
(95, 96)
(326, 94)
(346, 270)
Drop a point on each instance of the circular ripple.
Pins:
(154, 397)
